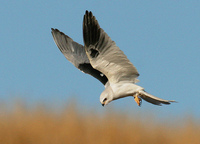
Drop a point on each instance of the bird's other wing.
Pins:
(75, 53)
(103, 53)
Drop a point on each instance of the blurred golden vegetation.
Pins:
(39, 125)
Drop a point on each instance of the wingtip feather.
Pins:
(91, 32)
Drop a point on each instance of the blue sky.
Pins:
(161, 38)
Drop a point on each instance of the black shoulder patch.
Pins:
(94, 53)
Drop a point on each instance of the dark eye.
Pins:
(104, 99)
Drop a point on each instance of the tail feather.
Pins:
(154, 100)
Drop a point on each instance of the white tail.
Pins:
(152, 99)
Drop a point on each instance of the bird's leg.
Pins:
(137, 99)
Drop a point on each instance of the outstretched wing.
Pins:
(75, 53)
(103, 53)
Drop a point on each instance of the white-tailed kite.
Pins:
(102, 59)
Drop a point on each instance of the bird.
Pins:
(101, 58)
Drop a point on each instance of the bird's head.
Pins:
(106, 96)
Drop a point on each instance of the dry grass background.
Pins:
(40, 125)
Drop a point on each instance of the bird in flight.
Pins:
(101, 58)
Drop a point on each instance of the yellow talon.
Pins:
(138, 100)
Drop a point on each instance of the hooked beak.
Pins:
(102, 104)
